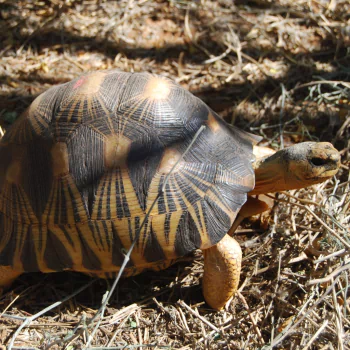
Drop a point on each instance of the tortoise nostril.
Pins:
(318, 161)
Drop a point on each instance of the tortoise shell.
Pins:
(82, 166)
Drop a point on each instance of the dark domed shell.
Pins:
(84, 164)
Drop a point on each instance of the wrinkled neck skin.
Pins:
(269, 174)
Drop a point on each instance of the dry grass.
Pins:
(279, 69)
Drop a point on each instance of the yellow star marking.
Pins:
(116, 150)
(170, 158)
(158, 224)
(157, 88)
(213, 123)
(60, 162)
(89, 85)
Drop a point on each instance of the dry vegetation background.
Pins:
(276, 68)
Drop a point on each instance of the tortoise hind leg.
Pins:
(222, 267)
(7, 277)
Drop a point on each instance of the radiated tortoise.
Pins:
(82, 167)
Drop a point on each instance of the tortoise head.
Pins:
(312, 162)
(296, 167)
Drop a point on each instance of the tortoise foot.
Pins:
(222, 267)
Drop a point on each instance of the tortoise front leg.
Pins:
(222, 267)
(7, 277)
(253, 206)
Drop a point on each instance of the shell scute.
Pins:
(35, 122)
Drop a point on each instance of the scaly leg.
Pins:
(253, 206)
(222, 267)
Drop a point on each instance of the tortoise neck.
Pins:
(270, 174)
